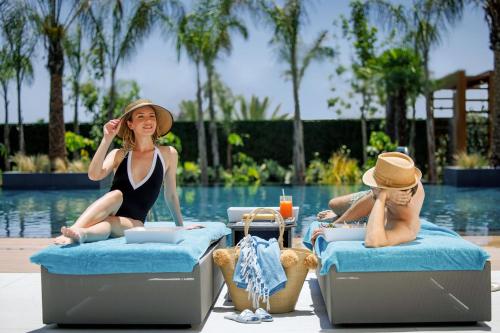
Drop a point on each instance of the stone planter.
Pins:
(486, 177)
(51, 181)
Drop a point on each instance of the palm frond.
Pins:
(317, 52)
(423, 22)
(389, 15)
(243, 114)
(169, 12)
(189, 37)
(20, 41)
(98, 39)
(187, 110)
(78, 8)
(139, 26)
(7, 72)
(72, 45)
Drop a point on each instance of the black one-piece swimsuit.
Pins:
(138, 198)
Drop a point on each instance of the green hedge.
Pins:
(267, 139)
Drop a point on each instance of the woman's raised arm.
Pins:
(102, 165)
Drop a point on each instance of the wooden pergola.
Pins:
(460, 83)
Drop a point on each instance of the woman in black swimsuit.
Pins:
(140, 168)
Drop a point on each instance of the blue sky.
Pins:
(253, 68)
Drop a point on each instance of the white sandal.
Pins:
(263, 315)
(245, 317)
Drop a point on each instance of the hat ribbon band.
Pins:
(382, 180)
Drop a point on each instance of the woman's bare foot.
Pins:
(327, 216)
(63, 240)
(77, 234)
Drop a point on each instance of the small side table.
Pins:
(264, 230)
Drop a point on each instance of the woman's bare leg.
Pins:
(119, 224)
(103, 207)
(97, 232)
(113, 226)
(338, 206)
(98, 211)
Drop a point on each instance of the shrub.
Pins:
(81, 165)
(272, 172)
(315, 170)
(60, 165)
(441, 155)
(341, 169)
(190, 173)
(477, 133)
(3, 150)
(379, 143)
(171, 140)
(471, 161)
(79, 144)
(24, 163)
(42, 163)
(244, 172)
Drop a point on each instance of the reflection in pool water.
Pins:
(470, 211)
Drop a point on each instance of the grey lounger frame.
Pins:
(135, 298)
(407, 297)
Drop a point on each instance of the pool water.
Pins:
(470, 211)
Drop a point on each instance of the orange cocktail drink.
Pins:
(286, 208)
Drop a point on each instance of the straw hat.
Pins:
(393, 171)
(164, 118)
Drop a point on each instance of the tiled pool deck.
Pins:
(21, 304)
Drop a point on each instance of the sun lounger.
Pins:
(111, 282)
(439, 277)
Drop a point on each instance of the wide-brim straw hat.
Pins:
(393, 171)
(164, 118)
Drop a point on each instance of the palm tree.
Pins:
(492, 14)
(187, 110)
(287, 22)
(422, 25)
(90, 96)
(257, 109)
(21, 45)
(222, 22)
(52, 22)
(400, 72)
(191, 36)
(118, 27)
(225, 102)
(6, 75)
(76, 57)
(364, 39)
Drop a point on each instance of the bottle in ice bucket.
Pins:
(286, 209)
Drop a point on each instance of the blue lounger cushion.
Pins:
(435, 249)
(114, 256)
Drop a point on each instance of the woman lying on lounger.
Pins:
(391, 209)
(140, 168)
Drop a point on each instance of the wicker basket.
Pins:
(296, 263)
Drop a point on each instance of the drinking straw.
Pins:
(283, 191)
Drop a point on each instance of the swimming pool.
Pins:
(470, 211)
